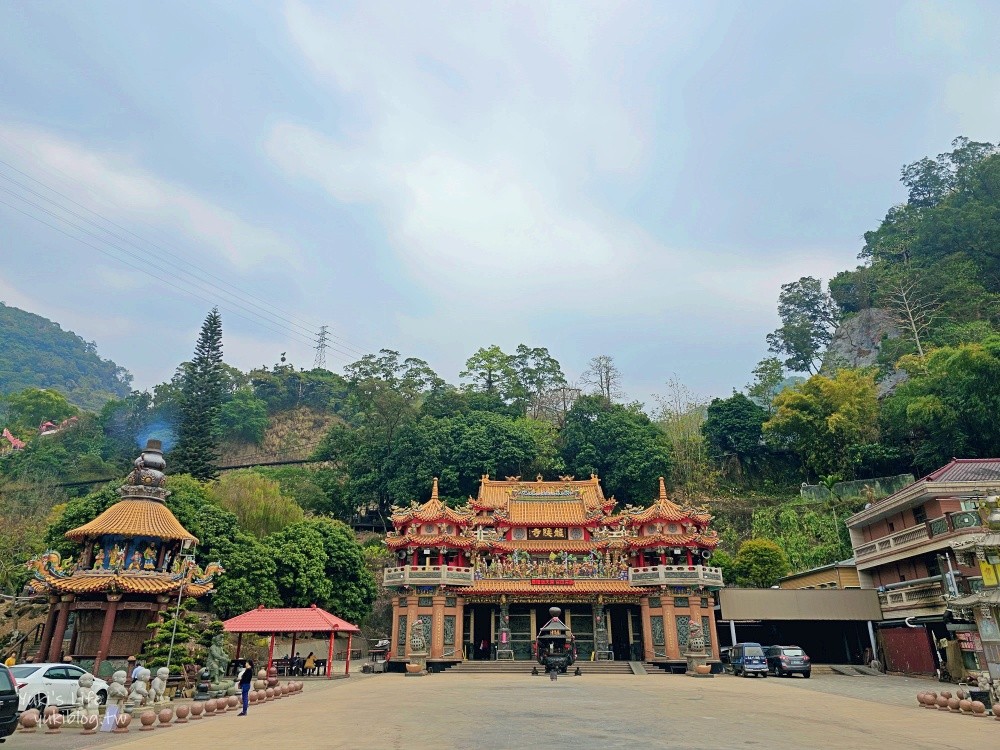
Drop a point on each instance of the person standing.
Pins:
(246, 680)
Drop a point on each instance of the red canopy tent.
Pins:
(310, 619)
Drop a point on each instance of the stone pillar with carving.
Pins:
(437, 626)
(600, 629)
(647, 629)
(505, 649)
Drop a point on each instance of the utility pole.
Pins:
(320, 362)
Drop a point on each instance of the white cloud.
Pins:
(475, 141)
(116, 187)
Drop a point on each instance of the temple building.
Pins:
(135, 560)
(482, 577)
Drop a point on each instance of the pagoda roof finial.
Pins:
(434, 490)
(663, 489)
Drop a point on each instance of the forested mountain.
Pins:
(35, 352)
(927, 293)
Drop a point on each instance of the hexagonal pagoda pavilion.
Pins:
(482, 577)
(135, 559)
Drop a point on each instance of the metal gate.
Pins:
(908, 650)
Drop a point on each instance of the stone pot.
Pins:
(165, 715)
(89, 724)
(703, 669)
(978, 708)
(147, 719)
(122, 722)
(414, 668)
(197, 709)
(29, 720)
(182, 713)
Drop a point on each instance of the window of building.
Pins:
(919, 514)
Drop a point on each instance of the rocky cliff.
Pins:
(856, 343)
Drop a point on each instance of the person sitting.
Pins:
(310, 664)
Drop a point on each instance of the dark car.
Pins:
(788, 660)
(747, 658)
(8, 703)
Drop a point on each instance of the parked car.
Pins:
(746, 659)
(8, 703)
(787, 660)
(41, 685)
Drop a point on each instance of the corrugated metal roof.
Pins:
(967, 470)
(288, 620)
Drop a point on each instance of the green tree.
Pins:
(255, 500)
(538, 374)
(760, 563)
(722, 559)
(948, 407)
(768, 377)
(352, 585)
(733, 428)
(808, 316)
(821, 419)
(299, 552)
(492, 371)
(182, 630)
(29, 408)
(681, 416)
(620, 443)
(243, 417)
(250, 577)
(196, 452)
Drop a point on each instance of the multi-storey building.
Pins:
(904, 547)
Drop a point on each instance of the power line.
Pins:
(181, 259)
(240, 298)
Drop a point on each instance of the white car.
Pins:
(41, 685)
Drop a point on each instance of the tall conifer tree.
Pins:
(196, 452)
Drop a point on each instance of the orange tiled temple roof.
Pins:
(134, 517)
(125, 583)
(496, 494)
(547, 512)
(433, 511)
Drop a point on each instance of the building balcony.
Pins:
(427, 575)
(930, 535)
(676, 575)
(913, 598)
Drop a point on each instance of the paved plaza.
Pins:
(497, 712)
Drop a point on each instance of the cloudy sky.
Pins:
(633, 179)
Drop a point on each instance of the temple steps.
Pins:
(524, 667)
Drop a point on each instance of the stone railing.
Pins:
(676, 575)
(927, 592)
(427, 575)
(946, 524)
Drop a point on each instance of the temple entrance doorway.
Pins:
(626, 632)
(482, 645)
